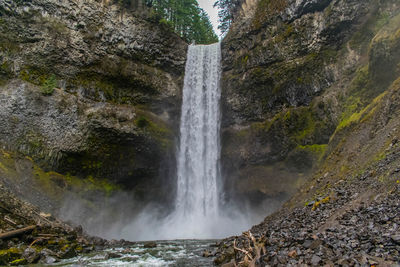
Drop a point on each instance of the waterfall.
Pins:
(198, 213)
(199, 151)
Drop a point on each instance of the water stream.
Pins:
(166, 253)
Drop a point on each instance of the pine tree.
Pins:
(186, 18)
(227, 10)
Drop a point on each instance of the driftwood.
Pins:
(48, 235)
(18, 232)
(253, 246)
(39, 239)
(9, 220)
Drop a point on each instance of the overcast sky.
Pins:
(207, 5)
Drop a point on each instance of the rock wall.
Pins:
(115, 107)
(342, 140)
(292, 73)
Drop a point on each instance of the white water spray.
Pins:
(197, 213)
(199, 151)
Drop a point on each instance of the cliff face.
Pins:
(317, 84)
(115, 107)
(293, 73)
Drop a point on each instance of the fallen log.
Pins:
(17, 232)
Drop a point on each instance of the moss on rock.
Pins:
(10, 255)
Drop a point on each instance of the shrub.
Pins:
(48, 86)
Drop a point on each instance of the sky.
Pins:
(207, 5)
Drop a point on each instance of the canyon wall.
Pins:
(293, 73)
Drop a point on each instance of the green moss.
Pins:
(120, 81)
(5, 69)
(315, 149)
(49, 85)
(244, 60)
(156, 128)
(318, 203)
(3, 168)
(360, 116)
(275, 79)
(18, 262)
(267, 8)
(91, 164)
(141, 122)
(284, 34)
(39, 77)
(50, 180)
(9, 255)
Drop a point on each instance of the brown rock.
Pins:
(292, 254)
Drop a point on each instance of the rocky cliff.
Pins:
(295, 72)
(311, 100)
(91, 91)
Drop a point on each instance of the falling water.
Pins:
(199, 151)
(197, 213)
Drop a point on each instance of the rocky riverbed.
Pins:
(29, 236)
(356, 223)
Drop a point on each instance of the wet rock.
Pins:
(47, 256)
(48, 260)
(68, 253)
(112, 255)
(150, 245)
(207, 253)
(31, 255)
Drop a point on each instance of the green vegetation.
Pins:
(154, 127)
(186, 18)
(49, 85)
(358, 105)
(40, 78)
(316, 150)
(5, 72)
(9, 255)
(322, 201)
(49, 179)
(227, 9)
(142, 122)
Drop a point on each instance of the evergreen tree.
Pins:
(186, 18)
(227, 9)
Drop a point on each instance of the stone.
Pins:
(315, 260)
(150, 245)
(103, 86)
(207, 253)
(292, 254)
(396, 239)
(68, 253)
(112, 255)
(31, 255)
(229, 264)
